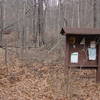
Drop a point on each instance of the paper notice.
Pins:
(93, 44)
(92, 53)
(74, 57)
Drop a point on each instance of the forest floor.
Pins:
(45, 81)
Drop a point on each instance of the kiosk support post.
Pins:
(66, 69)
(67, 53)
(98, 69)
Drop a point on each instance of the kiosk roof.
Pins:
(80, 31)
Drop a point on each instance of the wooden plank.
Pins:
(98, 70)
(67, 53)
(66, 65)
(83, 66)
(80, 31)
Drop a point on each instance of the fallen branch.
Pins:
(55, 46)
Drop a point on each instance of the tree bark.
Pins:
(1, 22)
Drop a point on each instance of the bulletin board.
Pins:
(83, 50)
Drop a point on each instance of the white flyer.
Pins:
(92, 53)
(74, 57)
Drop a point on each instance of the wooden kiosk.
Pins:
(83, 48)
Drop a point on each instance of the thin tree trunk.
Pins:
(94, 10)
(1, 24)
(17, 27)
(78, 8)
(33, 22)
(72, 20)
(40, 26)
(23, 33)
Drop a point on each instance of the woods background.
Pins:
(37, 23)
(29, 32)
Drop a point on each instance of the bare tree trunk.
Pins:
(23, 32)
(40, 26)
(78, 8)
(72, 20)
(94, 10)
(61, 12)
(17, 27)
(34, 21)
(1, 24)
(17, 15)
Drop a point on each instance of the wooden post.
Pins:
(66, 65)
(67, 52)
(98, 69)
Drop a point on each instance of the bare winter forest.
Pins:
(32, 50)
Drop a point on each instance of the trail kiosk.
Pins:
(83, 48)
